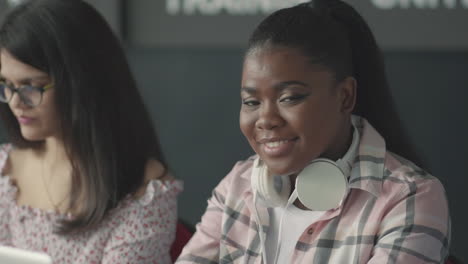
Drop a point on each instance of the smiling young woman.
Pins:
(325, 185)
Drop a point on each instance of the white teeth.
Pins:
(275, 144)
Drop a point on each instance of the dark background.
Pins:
(192, 92)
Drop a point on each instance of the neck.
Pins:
(54, 150)
(338, 149)
(53, 154)
(341, 144)
(56, 173)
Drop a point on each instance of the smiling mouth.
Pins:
(275, 144)
(278, 147)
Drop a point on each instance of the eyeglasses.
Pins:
(28, 94)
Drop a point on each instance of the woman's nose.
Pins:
(16, 101)
(269, 117)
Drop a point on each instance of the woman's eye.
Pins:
(5, 82)
(250, 102)
(293, 98)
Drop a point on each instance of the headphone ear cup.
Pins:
(321, 185)
(275, 190)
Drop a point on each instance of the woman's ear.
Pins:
(348, 92)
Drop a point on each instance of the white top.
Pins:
(295, 221)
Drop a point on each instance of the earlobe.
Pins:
(348, 92)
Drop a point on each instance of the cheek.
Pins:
(322, 128)
(301, 118)
(51, 118)
(247, 124)
(313, 121)
(49, 113)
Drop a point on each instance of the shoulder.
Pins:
(241, 169)
(237, 181)
(154, 170)
(7, 191)
(5, 156)
(149, 214)
(158, 184)
(5, 149)
(410, 179)
(159, 189)
(401, 169)
(416, 208)
(13, 158)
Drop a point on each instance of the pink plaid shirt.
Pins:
(394, 213)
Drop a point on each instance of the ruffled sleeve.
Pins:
(7, 196)
(144, 229)
(6, 189)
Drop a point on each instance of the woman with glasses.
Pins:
(326, 185)
(84, 179)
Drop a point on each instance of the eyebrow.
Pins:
(24, 80)
(278, 87)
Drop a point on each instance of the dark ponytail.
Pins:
(333, 34)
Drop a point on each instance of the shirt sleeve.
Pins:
(205, 243)
(7, 197)
(416, 228)
(145, 228)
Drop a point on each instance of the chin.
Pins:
(33, 139)
(279, 169)
(286, 166)
(31, 136)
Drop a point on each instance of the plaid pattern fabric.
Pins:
(394, 213)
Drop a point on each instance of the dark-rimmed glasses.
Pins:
(30, 95)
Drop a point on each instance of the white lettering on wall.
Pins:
(419, 4)
(14, 2)
(257, 7)
(384, 4)
(450, 3)
(172, 7)
(232, 7)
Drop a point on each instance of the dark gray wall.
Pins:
(193, 95)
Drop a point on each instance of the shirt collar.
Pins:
(368, 168)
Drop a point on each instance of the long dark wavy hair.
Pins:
(331, 33)
(106, 130)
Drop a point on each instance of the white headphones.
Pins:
(320, 186)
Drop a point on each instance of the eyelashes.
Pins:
(250, 102)
(291, 99)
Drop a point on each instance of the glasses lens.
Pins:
(30, 95)
(5, 92)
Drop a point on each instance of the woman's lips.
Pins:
(278, 147)
(25, 120)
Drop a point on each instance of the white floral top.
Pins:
(137, 231)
